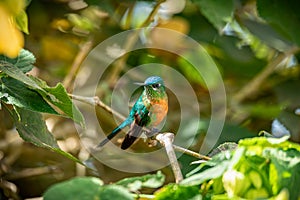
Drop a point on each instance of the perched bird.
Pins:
(148, 111)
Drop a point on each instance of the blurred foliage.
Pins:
(253, 42)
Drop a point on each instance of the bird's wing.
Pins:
(141, 119)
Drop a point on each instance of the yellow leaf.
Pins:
(11, 39)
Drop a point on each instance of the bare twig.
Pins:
(254, 85)
(82, 53)
(95, 101)
(191, 153)
(166, 139)
(29, 172)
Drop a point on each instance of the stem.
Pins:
(191, 153)
(254, 85)
(166, 139)
(95, 101)
(81, 55)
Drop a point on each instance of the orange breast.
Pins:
(158, 111)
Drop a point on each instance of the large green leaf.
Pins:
(149, 180)
(32, 128)
(86, 188)
(81, 188)
(54, 95)
(218, 12)
(18, 94)
(283, 16)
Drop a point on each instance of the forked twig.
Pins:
(166, 139)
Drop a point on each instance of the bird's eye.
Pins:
(155, 86)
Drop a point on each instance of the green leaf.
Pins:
(22, 21)
(18, 94)
(24, 61)
(218, 12)
(115, 192)
(258, 143)
(17, 73)
(59, 97)
(210, 173)
(80, 188)
(149, 180)
(178, 192)
(54, 95)
(283, 16)
(285, 174)
(32, 128)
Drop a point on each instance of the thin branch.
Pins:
(254, 85)
(191, 153)
(130, 42)
(29, 172)
(95, 101)
(81, 55)
(166, 139)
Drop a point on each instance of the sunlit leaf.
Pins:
(178, 192)
(286, 170)
(11, 40)
(22, 22)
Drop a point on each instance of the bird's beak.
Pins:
(140, 84)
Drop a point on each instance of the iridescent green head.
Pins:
(154, 87)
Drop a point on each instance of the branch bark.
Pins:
(166, 139)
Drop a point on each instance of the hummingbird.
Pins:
(148, 111)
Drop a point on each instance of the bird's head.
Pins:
(154, 84)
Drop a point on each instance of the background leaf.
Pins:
(218, 12)
(283, 16)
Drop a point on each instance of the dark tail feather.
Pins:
(131, 136)
(109, 137)
(114, 133)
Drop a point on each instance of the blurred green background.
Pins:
(254, 44)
